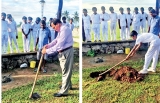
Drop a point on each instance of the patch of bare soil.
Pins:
(22, 77)
(125, 74)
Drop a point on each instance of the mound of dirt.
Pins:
(127, 74)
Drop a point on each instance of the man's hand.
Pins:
(119, 27)
(44, 51)
(46, 46)
(126, 26)
(102, 19)
(16, 37)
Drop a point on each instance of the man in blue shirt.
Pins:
(154, 23)
(43, 36)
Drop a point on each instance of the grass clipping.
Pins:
(126, 74)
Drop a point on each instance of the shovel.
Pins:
(36, 95)
(101, 75)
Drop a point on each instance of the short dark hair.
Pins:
(94, 8)
(43, 22)
(63, 18)
(128, 8)
(152, 11)
(71, 19)
(56, 21)
(85, 10)
(120, 8)
(111, 8)
(133, 33)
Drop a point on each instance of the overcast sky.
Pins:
(20, 8)
(88, 4)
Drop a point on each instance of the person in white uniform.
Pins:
(95, 20)
(35, 28)
(137, 18)
(87, 22)
(104, 21)
(129, 23)
(51, 29)
(64, 21)
(71, 25)
(122, 21)
(4, 32)
(13, 34)
(25, 34)
(144, 20)
(149, 16)
(113, 23)
(31, 29)
(152, 53)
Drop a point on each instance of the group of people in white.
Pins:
(29, 31)
(125, 21)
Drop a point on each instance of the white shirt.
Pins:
(52, 33)
(144, 15)
(113, 17)
(25, 27)
(104, 16)
(36, 27)
(95, 18)
(67, 24)
(147, 38)
(129, 17)
(12, 27)
(4, 25)
(71, 26)
(122, 18)
(86, 21)
(136, 18)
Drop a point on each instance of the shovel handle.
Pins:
(112, 67)
(36, 76)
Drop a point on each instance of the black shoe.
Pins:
(88, 41)
(95, 41)
(69, 88)
(59, 95)
(99, 40)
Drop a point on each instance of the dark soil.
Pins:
(126, 74)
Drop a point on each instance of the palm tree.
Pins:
(76, 18)
(66, 14)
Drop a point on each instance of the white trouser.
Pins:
(34, 35)
(136, 28)
(143, 26)
(113, 31)
(4, 41)
(96, 31)
(26, 43)
(123, 33)
(128, 32)
(105, 31)
(152, 53)
(87, 34)
(12, 36)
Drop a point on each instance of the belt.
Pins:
(64, 49)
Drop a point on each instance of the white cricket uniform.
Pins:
(87, 28)
(52, 33)
(67, 24)
(143, 22)
(26, 27)
(136, 21)
(104, 23)
(149, 20)
(35, 28)
(12, 31)
(122, 18)
(4, 28)
(31, 34)
(153, 50)
(129, 17)
(113, 23)
(96, 26)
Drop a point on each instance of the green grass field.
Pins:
(112, 91)
(46, 87)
